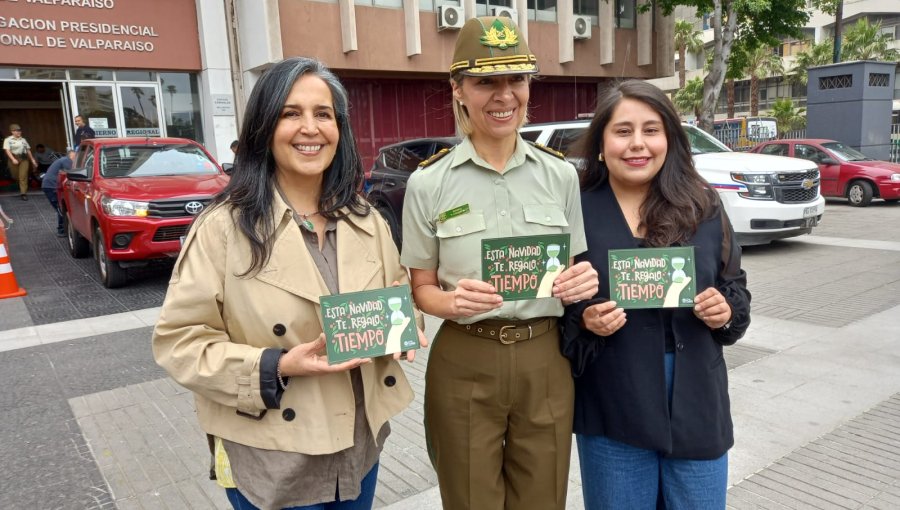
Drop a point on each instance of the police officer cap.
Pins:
(492, 45)
(15, 127)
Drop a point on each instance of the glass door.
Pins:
(97, 105)
(140, 109)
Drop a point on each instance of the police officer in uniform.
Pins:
(498, 397)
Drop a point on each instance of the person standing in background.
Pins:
(84, 132)
(17, 149)
(45, 157)
(48, 185)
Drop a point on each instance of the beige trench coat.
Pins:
(214, 326)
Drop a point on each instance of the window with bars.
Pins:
(842, 81)
(879, 80)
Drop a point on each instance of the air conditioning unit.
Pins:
(451, 16)
(509, 12)
(582, 27)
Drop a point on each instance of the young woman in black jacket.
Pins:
(652, 414)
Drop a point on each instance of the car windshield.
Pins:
(154, 160)
(702, 142)
(845, 153)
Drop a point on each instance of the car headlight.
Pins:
(895, 177)
(759, 186)
(117, 207)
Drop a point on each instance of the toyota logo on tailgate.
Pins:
(193, 207)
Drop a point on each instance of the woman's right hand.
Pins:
(302, 360)
(472, 297)
(604, 318)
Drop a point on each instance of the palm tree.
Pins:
(818, 54)
(787, 116)
(139, 93)
(171, 89)
(690, 97)
(761, 63)
(687, 39)
(864, 41)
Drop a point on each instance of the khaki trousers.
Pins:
(498, 419)
(20, 173)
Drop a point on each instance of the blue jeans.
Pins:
(51, 197)
(616, 475)
(363, 502)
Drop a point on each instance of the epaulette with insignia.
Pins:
(548, 150)
(436, 156)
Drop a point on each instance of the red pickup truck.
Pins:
(129, 200)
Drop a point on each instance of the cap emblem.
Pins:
(500, 36)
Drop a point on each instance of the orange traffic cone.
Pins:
(9, 287)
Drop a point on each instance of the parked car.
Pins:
(129, 200)
(766, 197)
(387, 178)
(845, 172)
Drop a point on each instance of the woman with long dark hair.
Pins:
(240, 324)
(652, 418)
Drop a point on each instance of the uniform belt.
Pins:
(508, 332)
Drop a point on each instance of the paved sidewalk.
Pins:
(92, 423)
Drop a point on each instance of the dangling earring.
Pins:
(600, 157)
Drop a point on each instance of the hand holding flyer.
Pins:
(652, 277)
(368, 324)
(524, 267)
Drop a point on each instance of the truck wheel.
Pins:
(79, 247)
(111, 273)
(859, 193)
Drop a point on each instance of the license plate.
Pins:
(810, 212)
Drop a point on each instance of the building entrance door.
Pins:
(140, 106)
(119, 110)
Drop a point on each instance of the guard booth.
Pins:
(851, 102)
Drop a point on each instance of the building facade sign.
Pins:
(134, 34)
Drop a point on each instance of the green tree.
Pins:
(687, 39)
(689, 99)
(761, 63)
(833, 8)
(788, 116)
(818, 54)
(864, 41)
(757, 22)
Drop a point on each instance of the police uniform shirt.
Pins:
(537, 193)
(17, 146)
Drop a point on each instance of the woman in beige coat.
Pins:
(240, 324)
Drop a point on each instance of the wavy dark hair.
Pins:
(678, 199)
(251, 191)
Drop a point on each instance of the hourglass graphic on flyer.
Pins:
(678, 275)
(552, 262)
(397, 316)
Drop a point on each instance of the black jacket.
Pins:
(620, 388)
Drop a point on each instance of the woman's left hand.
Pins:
(410, 355)
(711, 307)
(576, 283)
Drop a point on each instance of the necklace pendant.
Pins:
(308, 225)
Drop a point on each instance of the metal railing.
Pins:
(736, 142)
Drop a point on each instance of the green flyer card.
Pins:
(652, 277)
(369, 323)
(524, 267)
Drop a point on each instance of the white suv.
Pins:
(766, 197)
